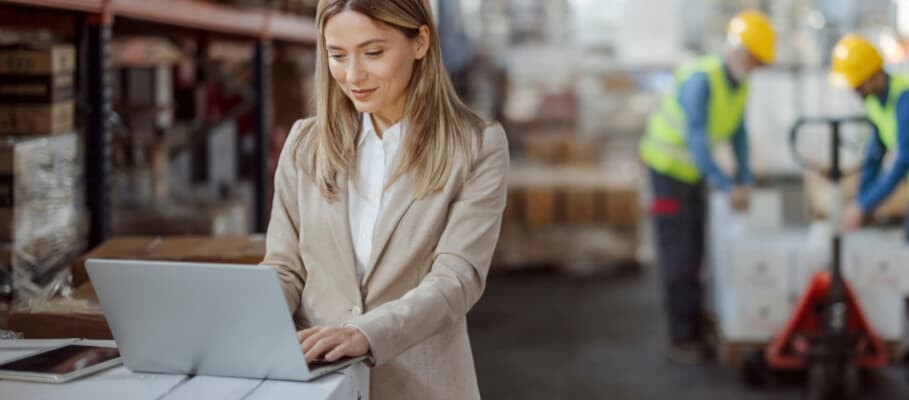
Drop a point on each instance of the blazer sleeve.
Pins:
(460, 265)
(282, 249)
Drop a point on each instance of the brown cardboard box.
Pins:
(581, 206)
(622, 208)
(36, 89)
(54, 325)
(37, 59)
(78, 317)
(540, 206)
(227, 250)
(207, 218)
(37, 119)
(817, 196)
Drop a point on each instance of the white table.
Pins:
(351, 383)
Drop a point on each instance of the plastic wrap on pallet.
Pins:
(40, 215)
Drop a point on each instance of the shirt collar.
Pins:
(391, 135)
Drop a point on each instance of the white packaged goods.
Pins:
(761, 270)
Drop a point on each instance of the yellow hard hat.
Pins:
(854, 60)
(752, 30)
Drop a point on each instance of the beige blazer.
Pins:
(428, 267)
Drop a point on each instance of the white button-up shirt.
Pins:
(376, 163)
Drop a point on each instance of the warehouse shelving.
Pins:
(94, 20)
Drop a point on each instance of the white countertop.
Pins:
(351, 383)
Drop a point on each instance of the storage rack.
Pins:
(90, 23)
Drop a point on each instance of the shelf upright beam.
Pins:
(261, 79)
(98, 114)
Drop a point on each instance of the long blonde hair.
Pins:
(440, 128)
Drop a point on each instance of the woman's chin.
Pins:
(364, 106)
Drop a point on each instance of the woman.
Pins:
(387, 204)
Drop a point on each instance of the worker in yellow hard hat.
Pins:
(705, 107)
(856, 64)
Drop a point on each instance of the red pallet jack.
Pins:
(827, 336)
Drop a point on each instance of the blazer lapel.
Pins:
(396, 201)
(339, 225)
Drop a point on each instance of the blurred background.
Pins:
(151, 128)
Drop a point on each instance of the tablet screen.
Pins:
(63, 360)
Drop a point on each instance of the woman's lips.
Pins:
(362, 94)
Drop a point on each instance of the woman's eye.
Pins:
(336, 56)
(374, 53)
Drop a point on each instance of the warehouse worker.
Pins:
(858, 65)
(706, 107)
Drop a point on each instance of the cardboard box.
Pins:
(540, 206)
(817, 195)
(208, 218)
(80, 316)
(56, 325)
(874, 266)
(37, 119)
(582, 206)
(575, 194)
(574, 249)
(622, 207)
(36, 89)
(749, 284)
(227, 250)
(37, 59)
(754, 290)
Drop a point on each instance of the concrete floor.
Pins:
(545, 336)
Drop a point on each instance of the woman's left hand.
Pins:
(332, 342)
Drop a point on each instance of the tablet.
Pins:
(61, 364)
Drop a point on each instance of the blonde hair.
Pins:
(440, 128)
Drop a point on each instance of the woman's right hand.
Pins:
(332, 342)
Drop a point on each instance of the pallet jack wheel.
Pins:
(833, 381)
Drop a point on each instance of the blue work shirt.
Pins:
(874, 187)
(694, 97)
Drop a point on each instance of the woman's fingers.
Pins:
(302, 335)
(340, 351)
(324, 345)
(311, 340)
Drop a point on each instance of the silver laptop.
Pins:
(202, 319)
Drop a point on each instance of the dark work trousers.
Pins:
(679, 211)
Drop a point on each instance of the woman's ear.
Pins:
(421, 42)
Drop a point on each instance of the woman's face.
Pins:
(372, 62)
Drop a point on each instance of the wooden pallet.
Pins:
(733, 353)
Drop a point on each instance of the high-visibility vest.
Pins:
(664, 146)
(883, 116)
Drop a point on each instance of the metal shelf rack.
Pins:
(94, 20)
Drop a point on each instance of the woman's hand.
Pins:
(332, 343)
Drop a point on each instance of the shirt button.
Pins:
(356, 310)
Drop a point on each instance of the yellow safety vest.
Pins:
(883, 116)
(664, 147)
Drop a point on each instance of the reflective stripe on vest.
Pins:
(664, 147)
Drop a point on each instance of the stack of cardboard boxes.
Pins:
(40, 171)
(761, 269)
(577, 216)
(37, 84)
